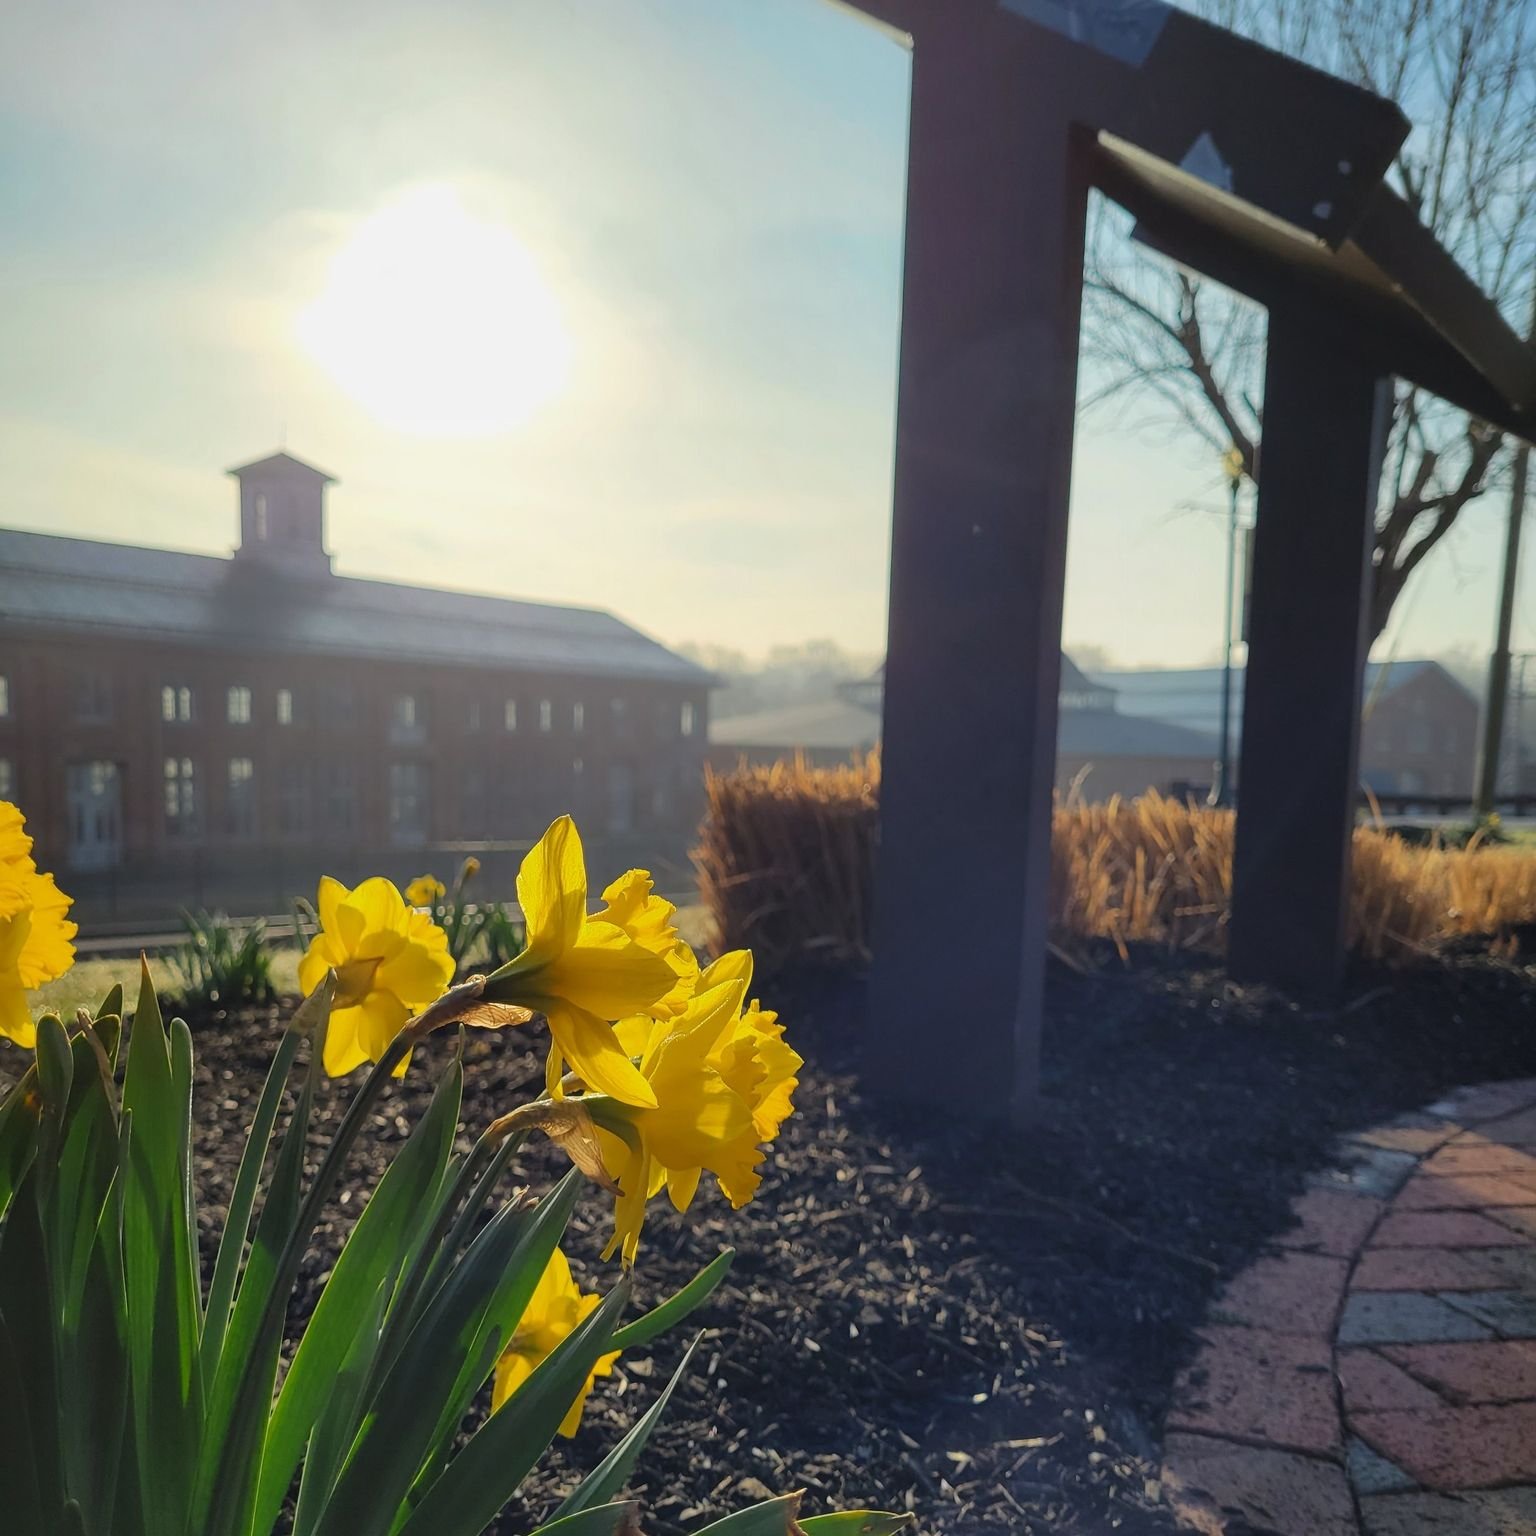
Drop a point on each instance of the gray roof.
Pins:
(283, 464)
(840, 725)
(1191, 696)
(84, 586)
(833, 724)
(1107, 733)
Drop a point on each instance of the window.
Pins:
(620, 712)
(293, 800)
(1418, 736)
(340, 799)
(405, 718)
(240, 798)
(180, 798)
(7, 778)
(472, 716)
(285, 706)
(509, 715)
(546, 714)
(5, 696)
(686, 718)
(578, 716)
(621, 797)
(408, 802)
(263, 527)
(93, 698)
(472, 802)
(238, 709)
(175, 704)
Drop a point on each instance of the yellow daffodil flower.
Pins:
(556, 1308)
(723, 1081)
(425, 891)
(579, 971)
(650, 920)
(753, 1056)
(36, 937)
(390, 962)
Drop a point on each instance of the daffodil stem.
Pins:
(448, 1008)
(253, 1384)
(470, 1186)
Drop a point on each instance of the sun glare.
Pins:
(437, 322)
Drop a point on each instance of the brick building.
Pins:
(247, 721)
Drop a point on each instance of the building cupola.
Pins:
(282, 516)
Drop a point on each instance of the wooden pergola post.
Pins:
(997, 197)
(1326, 413)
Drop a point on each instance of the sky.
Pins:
(659, 378)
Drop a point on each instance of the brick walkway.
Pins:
(1375, 1371)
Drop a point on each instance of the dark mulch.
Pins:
(977, 1325)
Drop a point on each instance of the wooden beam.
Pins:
(1326, 410)
(997, 196)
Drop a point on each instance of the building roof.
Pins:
(1107, 733)
(831, 725)
(1191, 696)
(843, 726)
(280, 463)
(85, 586)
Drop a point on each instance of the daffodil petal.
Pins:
(416, 975)
(552, 891)
(330, 896)
(607, 973)
(380, 1018)
(16, 1021)
(682, 1186)
(343, 1052)
(594, 1053)
(734, 965)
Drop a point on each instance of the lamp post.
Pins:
(1221, 788)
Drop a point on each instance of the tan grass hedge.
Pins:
(787, 853)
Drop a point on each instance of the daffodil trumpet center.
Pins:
(354, 981)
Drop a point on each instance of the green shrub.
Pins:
(223, 964)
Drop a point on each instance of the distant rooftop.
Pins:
(81, 586)
(1191, 696)
(1089, 725)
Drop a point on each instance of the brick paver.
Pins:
(1287, 1292)
(1374, 1373)
(1370, 1381)
(1479, 1446)
(1505, 1512)
(1476, 1154)
(1331, 1221)
(1465, 1191)
(1492, 1371)
(1444, 1269)
(1443, 1229)
(1214, 1485)
(1276, 1388)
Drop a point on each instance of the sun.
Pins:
(437, 322)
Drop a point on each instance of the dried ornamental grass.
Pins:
(787, 852)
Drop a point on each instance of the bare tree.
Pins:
(1465, 73)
